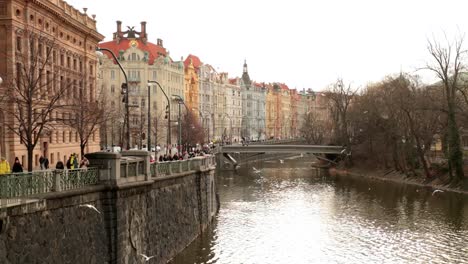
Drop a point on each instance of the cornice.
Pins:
(62, 16)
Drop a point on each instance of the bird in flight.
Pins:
(281, 161)
(255, 170)
(146, 257)
(436, 191)
(89, 206)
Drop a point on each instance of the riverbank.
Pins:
(438, 182)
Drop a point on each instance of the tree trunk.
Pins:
(30, 157)
(454, 149)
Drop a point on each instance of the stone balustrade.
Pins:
(106, 168)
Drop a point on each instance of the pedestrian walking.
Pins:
(59, 165)
(46, 163)
(41, 162)
(84, 163)
(17, 167)
(4, 166)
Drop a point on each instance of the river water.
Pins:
(288, 213)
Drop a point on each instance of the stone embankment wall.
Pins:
(158, 218)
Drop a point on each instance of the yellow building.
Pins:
(191, 91)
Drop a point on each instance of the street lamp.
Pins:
(179, 101)
(230, 126)
(168, 115)
(124, 92)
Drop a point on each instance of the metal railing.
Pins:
(182, 166)
(15, 186)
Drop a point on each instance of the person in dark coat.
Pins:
(17, 167)
(59, 165)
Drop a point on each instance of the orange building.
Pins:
(191, 90)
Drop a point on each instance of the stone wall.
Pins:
(157, 217)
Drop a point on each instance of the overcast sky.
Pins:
(303, 43)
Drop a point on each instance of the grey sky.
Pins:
(305, 44)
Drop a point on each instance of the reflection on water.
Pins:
(288, 213)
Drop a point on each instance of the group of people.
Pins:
(72, 163)
(5, 166)
(182, 156)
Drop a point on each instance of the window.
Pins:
(112, 88)
(142, 102)
(19, 44)
(62, 60)
(112, 75)
(39, 50)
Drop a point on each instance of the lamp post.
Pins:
(168, 115)
(124, 92)
(230, 126)
(148, 145)
(179, 101)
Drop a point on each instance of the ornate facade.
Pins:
(62, 40)
(142, 61)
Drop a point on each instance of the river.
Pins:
(288, 213)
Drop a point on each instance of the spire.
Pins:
(245, 74)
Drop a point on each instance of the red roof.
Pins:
(195, 61)
(153, 49)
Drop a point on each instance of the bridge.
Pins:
(311, 149)
(315, 150)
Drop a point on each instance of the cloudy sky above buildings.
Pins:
(305, 44)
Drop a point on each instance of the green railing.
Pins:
(40, 182)
(181, 166)
(16, 187)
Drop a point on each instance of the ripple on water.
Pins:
(288, 215)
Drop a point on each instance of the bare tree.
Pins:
(35, 92)
(447, 65)
(340, 97)
(313, 129)
(89, 115)
(192, 131)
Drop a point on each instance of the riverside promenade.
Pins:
(119, 208)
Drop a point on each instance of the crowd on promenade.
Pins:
(72, 163)
(185, 155)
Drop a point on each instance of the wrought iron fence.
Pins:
(17, 185)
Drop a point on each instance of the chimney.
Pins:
(143, 29)
(159, 42)
(118, 35)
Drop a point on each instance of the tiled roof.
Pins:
(195, 61)
(124, 44)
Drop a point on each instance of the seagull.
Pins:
(90, 207)
(146, 257)
(436, 191)
(255, 170)
(281, 161)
